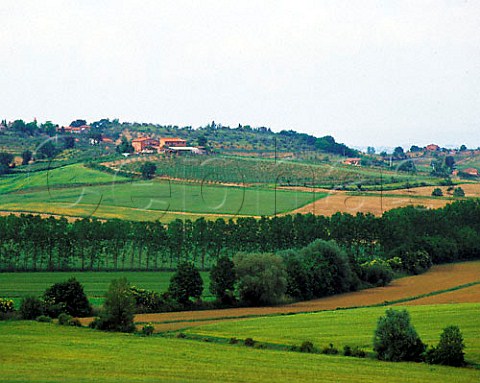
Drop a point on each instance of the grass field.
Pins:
(18, 285)
(49, 353)
(66, 176)
(353, 327)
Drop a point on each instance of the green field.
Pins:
(45, 352)
(153, 199)
(352, 327)
(66, 176)
(18, 285)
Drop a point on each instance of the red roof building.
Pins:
(168, 142)
(142, 143)
(432, 147)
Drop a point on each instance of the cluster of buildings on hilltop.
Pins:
(164, 145)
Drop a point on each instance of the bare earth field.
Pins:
(467, 295)
(438, 278)
(340, 201)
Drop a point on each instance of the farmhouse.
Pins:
(141, 144)
(432, 148)
(470, 172)
(167, 142)
(352, 161)
(74, 129)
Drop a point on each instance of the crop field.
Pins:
(18, 285)
(353, 327)
(48, 352)
(238, 170)
(154, 199)
(438, 280)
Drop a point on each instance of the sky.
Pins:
(369, 73)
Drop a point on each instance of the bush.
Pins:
(449, 350)
(146, 301)
(222, 280)
(307, 347)
(261, 278)
(64, 319)
(186, 283)
(437, 192)
(249, 342)
(148, 329)
(458, 192)
(71, 295)
(31, 308)
(395, 338)
(330, 350)
(119, 308)
(376, 272)
(6, 305)
(233, 340)
(355, 352)
(44, 319)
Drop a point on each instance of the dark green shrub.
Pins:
(65, 319)
(458, 192)
(71, 295)
(44, 319)
(347, 350)
(249, 342)
(181, 335)
(395, 339)
(261, 278)
(329, 350)
(437, 192)
(376, 272)
(449, 350)
(358, 352)
(147, 301)
(233, 341)
(119, 308)
(186, 283)
(31, 308)
(148, 329)
(307, 347)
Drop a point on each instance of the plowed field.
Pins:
(467, 295)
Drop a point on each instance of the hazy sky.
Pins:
(367, 72)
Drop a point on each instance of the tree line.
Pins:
(416, 236)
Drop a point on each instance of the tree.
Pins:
(463, 148)
(125, 146)
(70, 296)
(395, 339)
(26, 157)
(222, 280)
(449, 351)
(449, 162)
(148, 170)
(370, 150)
(47, 150)
(437, 192)
(407, 166)
(202, 141)
(415, 149)
(78, 123)
(119, 308)
(398, 153)
(68, 142)
(49, 128)
(5, 160)
(458, 192)
(186, 283)
(262, 278)
(18, 126)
